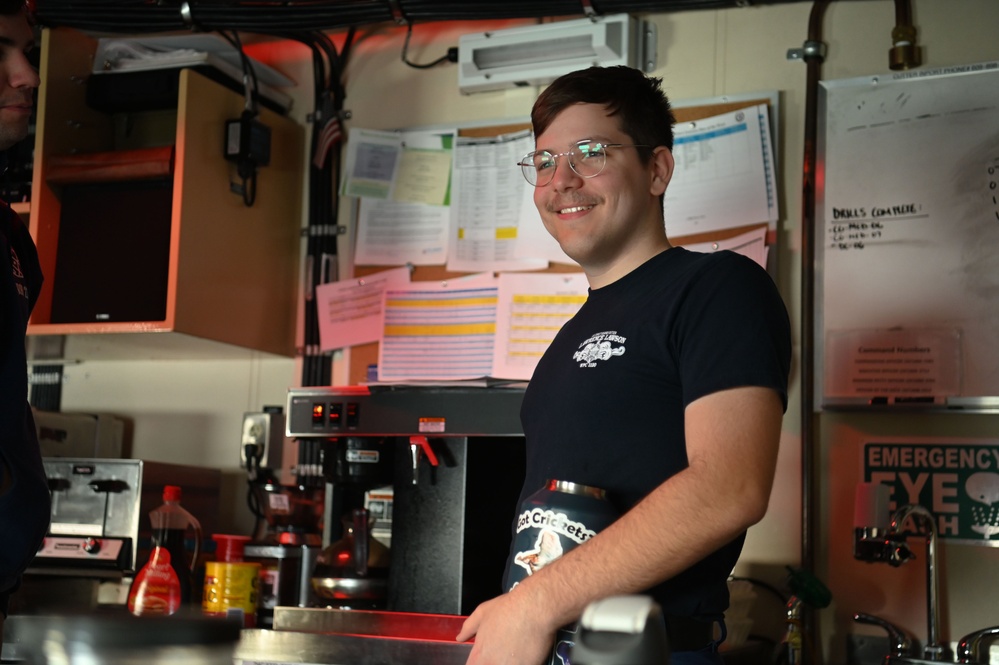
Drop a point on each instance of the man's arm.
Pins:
(732, 441)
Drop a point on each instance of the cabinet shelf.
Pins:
(233, 270)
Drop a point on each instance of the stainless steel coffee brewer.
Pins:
(454, 460)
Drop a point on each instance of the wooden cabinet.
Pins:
(232, 270)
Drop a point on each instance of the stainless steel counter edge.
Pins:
(283, 646)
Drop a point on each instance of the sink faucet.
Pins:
(901, 645)
(888, 545)
(969, 648)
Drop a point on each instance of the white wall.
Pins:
(192, 411)
(185, 411)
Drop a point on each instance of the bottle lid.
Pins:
(575, 488)
(171, 493)
(228, 548)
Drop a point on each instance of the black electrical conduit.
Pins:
(268, 17)
(321, 249)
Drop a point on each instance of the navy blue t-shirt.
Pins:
(24, 505)
(605, 406)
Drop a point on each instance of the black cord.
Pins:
(251, 87)
(247, 168)
(253, 502)
(451, 56)
(250, 189)
(329, 94)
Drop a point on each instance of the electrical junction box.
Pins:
(538, 54)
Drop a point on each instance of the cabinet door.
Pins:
(236, 266)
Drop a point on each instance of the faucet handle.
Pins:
(969, 648)
(901, 644)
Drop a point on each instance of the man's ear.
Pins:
(662, 170)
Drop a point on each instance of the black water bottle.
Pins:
(550, 522)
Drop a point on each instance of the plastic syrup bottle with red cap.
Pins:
(163, 585)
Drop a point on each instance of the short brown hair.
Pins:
(637, 100)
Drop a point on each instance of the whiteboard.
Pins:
(907, 234)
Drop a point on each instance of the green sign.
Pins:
(958, 483)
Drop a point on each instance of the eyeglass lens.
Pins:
(586, 159)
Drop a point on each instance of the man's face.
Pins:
(18, 78)
(600, 221)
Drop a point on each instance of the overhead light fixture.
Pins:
(538, 54)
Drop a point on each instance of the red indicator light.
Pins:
(336, 412)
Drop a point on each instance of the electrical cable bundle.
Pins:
(322, 229)
(283, 16)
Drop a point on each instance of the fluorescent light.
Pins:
(537, 54)
(519, 55)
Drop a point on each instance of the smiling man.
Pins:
(24, 496)
(678, 418)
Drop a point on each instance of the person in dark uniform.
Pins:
(24, 495)
(667, 389)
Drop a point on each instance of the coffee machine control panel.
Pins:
(403, 411)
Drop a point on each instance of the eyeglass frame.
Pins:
(527, 160)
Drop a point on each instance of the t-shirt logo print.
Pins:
(599, 347)
(18, 274)
(15, 263)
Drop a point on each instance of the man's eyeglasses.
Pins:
(586, 158)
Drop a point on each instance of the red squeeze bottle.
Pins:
(170, 522)
(156, 589)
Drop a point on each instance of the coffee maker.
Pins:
(450, 460)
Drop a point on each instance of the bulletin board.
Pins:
(907, 274)
(361, 356)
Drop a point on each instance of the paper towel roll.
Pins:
(871, 506)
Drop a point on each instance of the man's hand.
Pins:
(507, 633)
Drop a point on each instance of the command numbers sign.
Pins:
(958, 483)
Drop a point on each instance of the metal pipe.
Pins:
(903, 12)
(904, 53)
(933, 650)
(813, 55)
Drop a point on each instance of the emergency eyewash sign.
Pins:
(958, 483)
